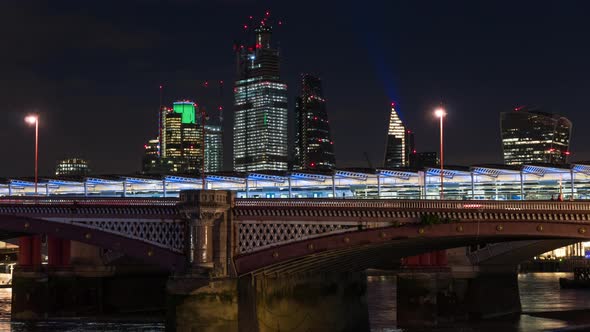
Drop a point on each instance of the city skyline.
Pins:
(90, 90)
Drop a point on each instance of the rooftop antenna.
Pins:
(220, 102)
(160, 129)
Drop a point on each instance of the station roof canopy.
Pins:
(141, 179)
(542, 169)
(449, 171)
(104, 179)
(403, 174)
(309, 176)
(278, 177)
(181, 179)
(581, 167)
(361, 174)
(495, 170)
(231, 177)
(26, 182)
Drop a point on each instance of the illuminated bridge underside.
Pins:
(356, 251)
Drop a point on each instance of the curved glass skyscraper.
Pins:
(314, 148)
(532, 136)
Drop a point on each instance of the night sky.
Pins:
(92, 70)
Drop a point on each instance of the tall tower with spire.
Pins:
(260, 100)
(396, 152)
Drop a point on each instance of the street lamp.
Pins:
(34, 120)
(440, 113)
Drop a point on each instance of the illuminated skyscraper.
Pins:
(180, 140)
(71, 167)
(532, 136)
(314, 148)
(260, 121)
(213, 148)
(151, 158)
(396, 153)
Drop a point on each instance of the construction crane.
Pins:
(368, 160)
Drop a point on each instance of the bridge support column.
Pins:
(53, 251)
(66, 252)
(25, 247)
(209, 231)
(58, 252)
(36, 251)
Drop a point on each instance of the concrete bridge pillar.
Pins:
(209, 231)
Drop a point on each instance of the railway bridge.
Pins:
(213, 230)
(209, 239)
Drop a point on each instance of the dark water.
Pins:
(540, 296)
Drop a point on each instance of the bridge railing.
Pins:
(88, 201)
(416, 204)
(322, 203)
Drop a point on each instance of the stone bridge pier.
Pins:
(315, 303)
(209, 236)
(211, 296)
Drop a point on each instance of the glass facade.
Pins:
(314, 147)
(179, 144)
(260, 97)
(72, 167)
(423, 159)
(396, 151)
(151, 158)
(213, 148)
(531, 136)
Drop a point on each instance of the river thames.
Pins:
(545, 307)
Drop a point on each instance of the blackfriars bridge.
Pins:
(263, 234)
(213, 235)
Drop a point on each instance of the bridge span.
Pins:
(219, 247)
(214, 230)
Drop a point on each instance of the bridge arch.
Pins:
(14, 226)
(359, 250)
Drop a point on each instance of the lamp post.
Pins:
(34, 119)
(440, 113)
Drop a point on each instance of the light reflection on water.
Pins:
(540, 292)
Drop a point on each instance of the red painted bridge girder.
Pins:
(416, 238)
(149, 253)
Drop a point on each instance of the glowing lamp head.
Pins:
(439, 112)
(31, 119)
